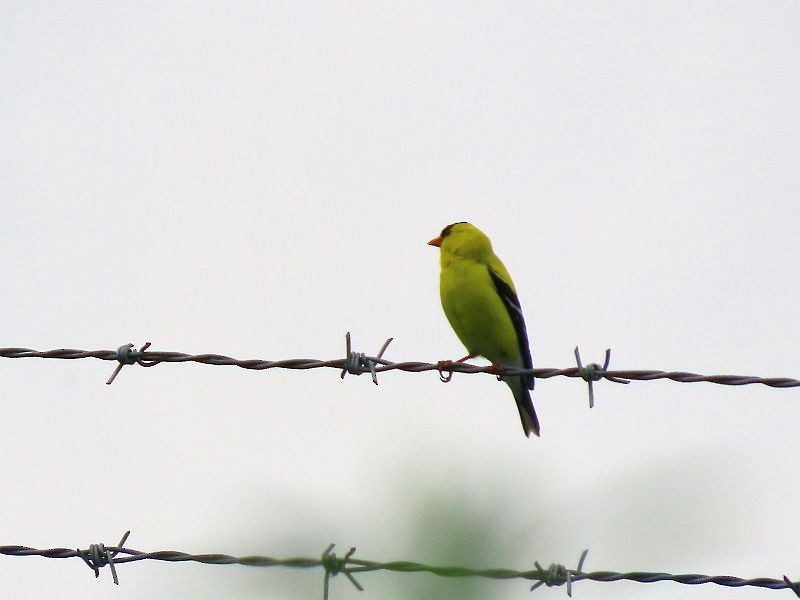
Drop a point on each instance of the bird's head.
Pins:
(463, 239)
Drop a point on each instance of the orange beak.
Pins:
(437, 241)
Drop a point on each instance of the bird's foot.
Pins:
(441, 366)
(446, 364)
(498, 370)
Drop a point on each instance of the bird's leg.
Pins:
(497, 369)
(444, 364)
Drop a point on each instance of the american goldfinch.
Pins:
(480, 301)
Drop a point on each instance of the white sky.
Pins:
(257, 178)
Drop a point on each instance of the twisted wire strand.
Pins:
(350, 565)
(380, 365)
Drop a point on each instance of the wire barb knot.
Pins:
(97, 557)
(594, 372)
(126, 355)
(357, 363)
(334, 565)
(557, 574)
(553, 576)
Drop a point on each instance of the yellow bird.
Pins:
(480, 301)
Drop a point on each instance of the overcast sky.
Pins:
(258, 178)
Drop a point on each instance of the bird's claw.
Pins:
(497, 369)
(441, 366)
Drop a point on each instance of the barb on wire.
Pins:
(334, 565)
(358, 362)
(98, 556)
(594, 372)
(126, 355)
(378, 364)
(557, 574)
(554, 575)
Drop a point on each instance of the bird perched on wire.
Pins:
(480, 301)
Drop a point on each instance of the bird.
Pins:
(480, 302)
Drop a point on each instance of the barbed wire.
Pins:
(98, 556)
(358, 363)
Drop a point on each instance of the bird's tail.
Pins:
(527, 414)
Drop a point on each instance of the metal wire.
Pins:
(377, 364)
(98, 555)
(553, 576)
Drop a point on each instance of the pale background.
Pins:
(257, 178)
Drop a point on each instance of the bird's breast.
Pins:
(477, 313)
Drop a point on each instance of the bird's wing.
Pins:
(509, 297)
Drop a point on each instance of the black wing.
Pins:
(511, 303)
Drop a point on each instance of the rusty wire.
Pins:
(358, 363)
